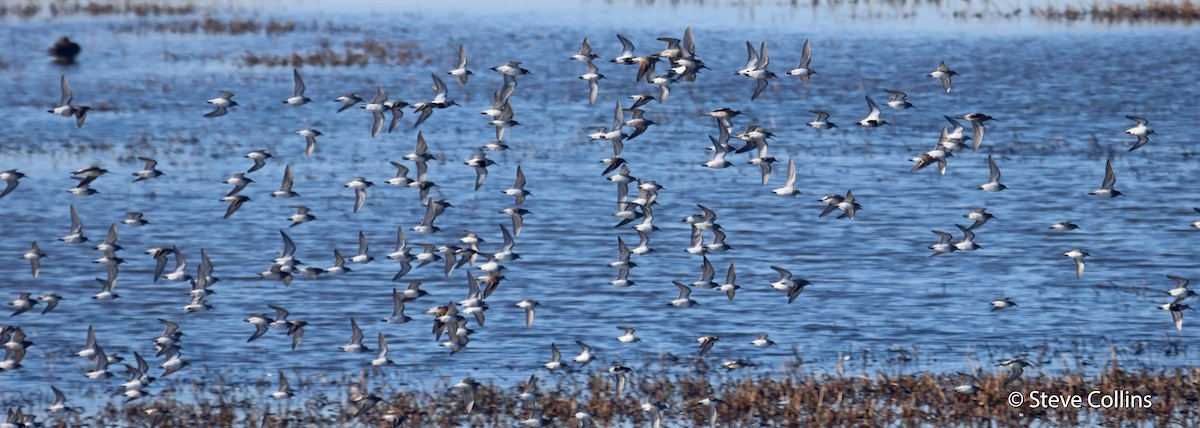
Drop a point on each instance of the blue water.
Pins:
(1059, 94)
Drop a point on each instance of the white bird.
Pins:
(585, 354)
(528, 305)
(1106, 189)
(284, 390)
(555, 362)
(592, 77)
(460, 69)
(11, 178)
(221, 104)
(789, 185)
(993, 184)
(310, 140)
(762, 341)
(803, 70)
(381, 358)
(872, 120)
(518, 190)
(684, 299)
(1141, 131)
(65, 108)
(297, 99)
(1077, 255)
(34, 255)
(944, 74)
(360, 186)
(148, 171)
(585, 53)
(377, 109)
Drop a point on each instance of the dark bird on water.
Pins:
(64, 50)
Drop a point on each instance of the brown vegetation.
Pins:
(762, 399)
(351, 54)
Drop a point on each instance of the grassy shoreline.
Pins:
(789, 398)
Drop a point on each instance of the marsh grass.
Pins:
(356, 53)
(210, 25)
(26, 9)
(1161, 11)
(788, 397)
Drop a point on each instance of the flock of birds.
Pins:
(452, 322)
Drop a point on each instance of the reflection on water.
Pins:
(1059, 98)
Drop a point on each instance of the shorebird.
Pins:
(756, 68)
(348, 100)
(977, 128)
(11, 178)
(235, 202)
(310, 140)
(35, 256)
(592, 77)
(803, 69)
(75, 233)
(620, 378)
(968, 385)
(1077, 255)
(260, 160)
(1016, 367)
(23, 303)
(301, 216)
(585, 53)
(706, 343)
(460, 69)
(822, 122)
(381, 358)
(628, 336)
(284, 390)
(626, 56)
(518, 190)
(60, 402)
(148, 171)
(221, 104)
(762, 341)
(943, 245)
(936, 156)
(1141, 131)
(297, 99)
(510, 70)
(377, 109)
(899, 100)
(967, 243)
(980, 216)
(993, 184)
(66, 109)
(1003, 303)
(1176, 310)
(528, 305)
(356, 340)
(1181, 291)
(555, 362)
(793, 287)
(51, 302)
(684, 299)
(789, 185)
(360, 186)
(1064, 226)
(441, 100)
(944, 74)
(285, 188)
(872, 120)
(1106, 189)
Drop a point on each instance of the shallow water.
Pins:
(1059, 97)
